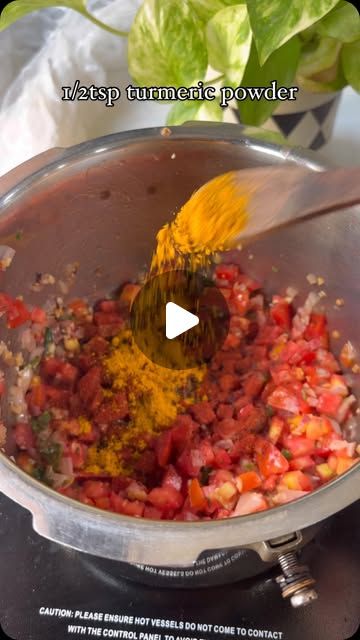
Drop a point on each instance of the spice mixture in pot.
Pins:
(260, 426)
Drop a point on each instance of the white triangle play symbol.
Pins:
(178, 320)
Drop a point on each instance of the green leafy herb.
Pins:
(39, 473)
(20, 8)
(265, 134)
(167, 45)
(269, 411)
(228, 41)
(51, 452)
(248, 466)
(287, 454)
(204, 475)
(48, 339)
(275, 22)
(41, 422)
(194, 110)
(281, 66)
(18, 235)
(342, 23)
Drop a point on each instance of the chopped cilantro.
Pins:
(248, 466)
(51, 452)
(48, 339)
(286, 453)
(18, 235)
(39, 473)
(41, 422)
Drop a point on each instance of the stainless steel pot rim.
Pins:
(191, 131)
(53, 512)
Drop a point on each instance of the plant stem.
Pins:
(214, 80)
(104, 26)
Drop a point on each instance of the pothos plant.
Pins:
(314, 44)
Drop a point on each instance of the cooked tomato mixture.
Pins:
(263, 426)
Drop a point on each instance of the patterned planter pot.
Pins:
(308, 121)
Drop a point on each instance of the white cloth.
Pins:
(33, 117)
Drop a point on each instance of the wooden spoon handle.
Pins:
(290, 194)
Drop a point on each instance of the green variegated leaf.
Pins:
(167, 45)
(228, 41)
(281, 66)
(351, 64)
(266, 135)
(206, 9)
(342, 23)
(195, 110)
(20, 8)
(318, 56)
(274, 22)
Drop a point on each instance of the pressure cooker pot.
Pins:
(100, 204)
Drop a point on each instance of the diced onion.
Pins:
(6, 256)
(27, 340)
(66, 466)
(287, 495)
(248, 503)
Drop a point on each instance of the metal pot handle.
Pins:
(13, 177)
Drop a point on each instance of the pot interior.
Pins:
(102, 209)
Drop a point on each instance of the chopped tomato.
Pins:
(280, 313)
(297, 480)
(24, 436)
(248, 481)
(299, 445)
(329, 404)
(226, 273)
(172, 478)
(165, 498)
(17, 314)
(275, 429)
(196, 495)
(261, 429)
(163, 448)
(38, 316)
(250, 502)
(203, 412)
(79, 308)
(96, 489)
(302, 462)
(89, 387)
(317, 328)
(316, 428)
(36, 399)
(269, 459)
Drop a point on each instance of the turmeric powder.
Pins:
(206, 224)
(210, 221)
(155, 396)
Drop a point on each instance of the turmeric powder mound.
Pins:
(155, 396)
(210, 221)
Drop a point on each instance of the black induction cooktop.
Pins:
(50, 592)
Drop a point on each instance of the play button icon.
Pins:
(179, 319)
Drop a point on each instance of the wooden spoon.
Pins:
(246, 203)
